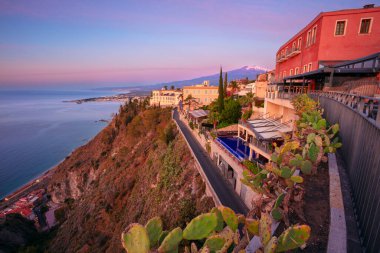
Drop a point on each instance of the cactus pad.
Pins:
(229, 217)
(252, 226)
(219, 219)
(154, 229)
(171, 241)
(214, 242)
(265, 228)
(135, 239)
(293, 237)
(200, 227)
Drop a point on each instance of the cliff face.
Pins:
(136, 168)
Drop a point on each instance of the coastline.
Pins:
(41, 180)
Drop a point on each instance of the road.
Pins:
(222, 188)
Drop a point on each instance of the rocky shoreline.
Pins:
(123, 97)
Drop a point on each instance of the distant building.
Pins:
(261, 84)
(166, 97)
(330, 38)
(203, 94)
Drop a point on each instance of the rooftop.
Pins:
(267, 129)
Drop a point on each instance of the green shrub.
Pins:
(191, 125)
(247, 114)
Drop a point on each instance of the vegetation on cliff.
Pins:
(137, 168)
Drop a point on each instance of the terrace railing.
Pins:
(284, 91)
(359, 120)
(368, 107)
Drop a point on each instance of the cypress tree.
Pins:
(221, 92)
(225, 84)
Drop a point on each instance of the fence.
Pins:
(359, 119)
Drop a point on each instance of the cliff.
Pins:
(138, 167)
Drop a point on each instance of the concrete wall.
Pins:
(242, 190)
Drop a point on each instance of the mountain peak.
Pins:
(255, 67)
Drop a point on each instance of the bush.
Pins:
(247, 114)
(232, 111)
(168, 134)
(191, 125)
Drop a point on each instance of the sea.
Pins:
(38, 130)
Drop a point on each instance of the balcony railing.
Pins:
(369, 107)
(284, 92)
(263, 146)
(289, 53)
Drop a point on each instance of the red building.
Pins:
(331, 38)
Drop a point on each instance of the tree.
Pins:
(232, 112)
(225, 85)
(165, 87)
(234, 86)
(190, 100)
(221, 92)
(213, 117)
(172, 87)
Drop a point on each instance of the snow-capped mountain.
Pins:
(247, 71)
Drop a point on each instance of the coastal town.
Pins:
(239, 132)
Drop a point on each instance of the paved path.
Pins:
(226, 194)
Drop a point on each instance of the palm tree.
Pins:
(213, 117)
(190, 100)
(234, 86)
(165, 87)
(172, 87)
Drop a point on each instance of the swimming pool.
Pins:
(235, 146)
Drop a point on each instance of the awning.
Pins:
(268, 129)
(198, 113)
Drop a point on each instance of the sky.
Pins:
(121, 43)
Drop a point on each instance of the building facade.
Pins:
(203, 94)
(331, 37)
(166, 97)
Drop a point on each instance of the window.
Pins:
(284, 74)
(294, 46)
(296, 71)
(365, 26)
(314, 35)
(299, 43)
(304, 68)
(340, 27)
(309, 67)
(308, 38)
(291, 72)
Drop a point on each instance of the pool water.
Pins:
(236, 146)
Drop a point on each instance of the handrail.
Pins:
(368, 107)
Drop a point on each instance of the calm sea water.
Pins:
(38, 130)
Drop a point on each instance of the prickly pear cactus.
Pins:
(135, 239)
(229, 217)
(219, 219)
(252, 226)
(265, 228)
(293, 237)
(271, 246)
(171, 241)
(154, 229)
(200, 227)
(214, 243)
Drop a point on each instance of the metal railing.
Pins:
(368, 107)
(284, 91)
(359, 120)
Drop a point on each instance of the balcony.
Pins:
(284, 91)
(288, 54)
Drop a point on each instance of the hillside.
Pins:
(128, 173)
